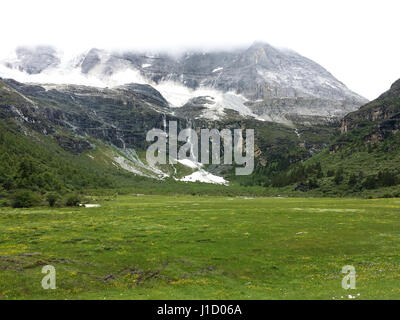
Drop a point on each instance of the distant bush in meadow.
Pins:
(25, 199)
(73, 201)
(52, 198)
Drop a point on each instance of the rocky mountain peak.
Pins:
(34, 60)
(260, 81)
(395, 86)
(263, 54)
(383, 113)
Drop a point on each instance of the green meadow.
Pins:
(190, 247)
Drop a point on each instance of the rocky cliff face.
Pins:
(35, 60)
(261, 81)
(382, 114)
(117, 97)
(120, 117)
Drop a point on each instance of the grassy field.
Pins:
(188, 247)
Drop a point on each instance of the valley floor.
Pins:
(189, 247)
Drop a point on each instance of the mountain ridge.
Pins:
(262, 81)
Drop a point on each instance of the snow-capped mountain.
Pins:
(261, 81)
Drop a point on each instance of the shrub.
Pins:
(52, 199)
(25, 199)
(352, 180)
(387, 178)
(4, 203)
(338, 176)
(73, 201)
(370, 182)
(330, 173)
(312, 183)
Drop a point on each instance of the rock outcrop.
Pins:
(261, 81)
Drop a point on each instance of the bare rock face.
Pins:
(92, 58)
(385, 109)
(381, 117)
(395, 88)
(35, 60)
(261, 81)
(145, 91)
(279, 84)
(263, 71)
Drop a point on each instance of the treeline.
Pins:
(274, 173)
(39, 165)
(299, 173)
(283, 176)
(306, 177)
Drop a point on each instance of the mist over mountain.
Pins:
(260, 81)
(110, 99)
(153, 150)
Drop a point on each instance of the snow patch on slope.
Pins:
(191, 164)
(200, 175)
(131, 162)
(178, 95)
(175, 93)
(126, 165)
(69, 72)
(204, 176)
(217, 69)
(72, 76)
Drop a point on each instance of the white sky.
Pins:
(358, 41)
